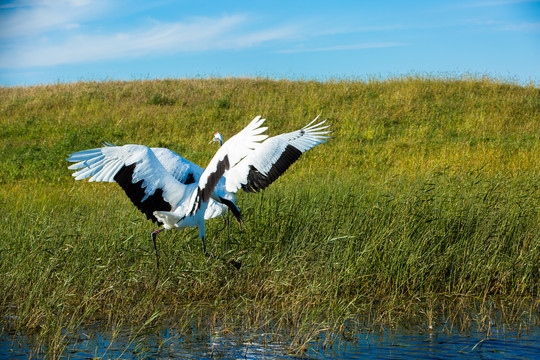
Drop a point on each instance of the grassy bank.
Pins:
(428, 194)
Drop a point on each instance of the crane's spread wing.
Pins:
(181, 169)
(273, 157)
(228, 155)
(137, 170)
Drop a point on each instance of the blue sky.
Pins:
(50, 41)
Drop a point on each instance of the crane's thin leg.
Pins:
(228, 232)
(204, 246)
(154, 235)
(202, 235)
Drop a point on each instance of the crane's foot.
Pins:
(241, 224)
(236, 264)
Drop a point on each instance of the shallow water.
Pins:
(170, 344)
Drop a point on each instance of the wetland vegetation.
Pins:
(424, 205)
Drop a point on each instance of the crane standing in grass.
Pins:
(173, 191)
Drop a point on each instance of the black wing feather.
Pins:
(135, 192)
(257, 181)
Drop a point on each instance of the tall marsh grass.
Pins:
(428, 195)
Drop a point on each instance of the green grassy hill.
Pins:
(429, 190)
(399, 127)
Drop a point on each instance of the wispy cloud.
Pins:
(35, 18)
(522, 27)
(498, 25)
(201, 34)
(345, 47)
(493, 3)
(44, 33)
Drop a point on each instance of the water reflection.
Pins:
(170, 344)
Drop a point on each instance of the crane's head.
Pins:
(217, 137)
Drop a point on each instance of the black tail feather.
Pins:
(234, 209)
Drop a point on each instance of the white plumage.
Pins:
(177, 193)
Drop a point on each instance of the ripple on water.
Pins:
(170, 344)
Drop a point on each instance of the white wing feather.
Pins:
(238, 146)
(104, 163)
(266, 155)
(176, 165)
(228, 155)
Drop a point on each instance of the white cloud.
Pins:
(253, 38)
(202, 34)
(522, 27)
(43, 33)
(31, 18)
(498, 25)
(493, 3)
(344, 47)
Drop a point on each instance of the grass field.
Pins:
(426, 201)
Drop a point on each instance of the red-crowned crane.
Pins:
(173, 191)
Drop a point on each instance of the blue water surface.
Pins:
(396, 344)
